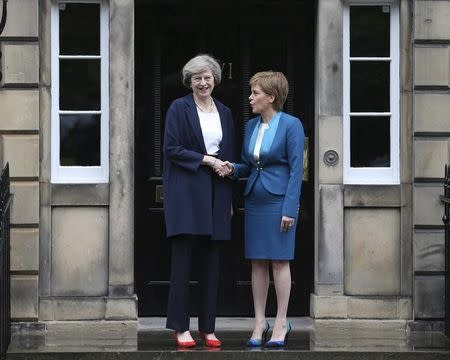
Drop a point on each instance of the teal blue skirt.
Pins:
(263, 238)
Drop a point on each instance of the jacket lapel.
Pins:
(252, 135)
(194, 121)
(269, 135)
(223, 123)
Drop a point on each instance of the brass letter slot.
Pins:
(305, 160)
(159, 194)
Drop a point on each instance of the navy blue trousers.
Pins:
(185, 249)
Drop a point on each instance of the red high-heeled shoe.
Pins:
(185, 344)
(210, 342)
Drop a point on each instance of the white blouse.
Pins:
(259, 138)
(211, 130)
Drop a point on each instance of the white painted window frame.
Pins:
(80, 174)
(374, 175)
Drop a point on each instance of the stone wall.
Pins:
(19, 145)
(431, 151)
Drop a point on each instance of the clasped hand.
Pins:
(222, 168)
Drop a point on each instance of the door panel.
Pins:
(250, 37)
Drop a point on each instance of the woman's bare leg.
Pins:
(260, 287)
(282, 280)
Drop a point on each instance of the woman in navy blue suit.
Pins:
(272, 159)
(198, 136)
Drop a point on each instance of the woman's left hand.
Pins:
(286, 223)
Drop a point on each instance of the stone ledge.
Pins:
(121, 308)
(87, 309)
(426, 326)
(372, 196)
(360, 308)
(29, 328)
(335, 334)
(78, 194)
(329, 307)
(360, 325)
(108, 329)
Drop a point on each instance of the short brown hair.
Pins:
(272, 83)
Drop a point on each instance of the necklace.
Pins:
(209, 109)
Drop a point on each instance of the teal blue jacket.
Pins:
(280, 164)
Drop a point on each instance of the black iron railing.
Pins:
(446, 219)
(5, 297)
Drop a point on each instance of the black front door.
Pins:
(246, 37)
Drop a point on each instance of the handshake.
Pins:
(221, 168)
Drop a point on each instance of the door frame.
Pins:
(312, 166)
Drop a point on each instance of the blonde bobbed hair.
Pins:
(273, 83)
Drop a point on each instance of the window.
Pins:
(80, 95)
(371, 94)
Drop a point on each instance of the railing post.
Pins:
(5, 286)
(446, 220)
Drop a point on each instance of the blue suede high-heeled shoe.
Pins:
(280, 343)
(259, 342)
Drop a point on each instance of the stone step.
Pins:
(232, 355)
(319, 340)
(302, 345)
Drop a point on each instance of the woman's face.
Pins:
(202, 84)
(259, 100)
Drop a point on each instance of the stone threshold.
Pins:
(103, 327)
(130, 328)
(148, 339)
(233, 355)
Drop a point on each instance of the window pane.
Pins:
(80, 140)
(370, 141)
(369, 82)
(79, 29)
(79, 84)
(369, 31)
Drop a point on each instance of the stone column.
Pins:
(329, 261)
(121, 212)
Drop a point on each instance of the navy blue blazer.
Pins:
(281, 168)
(190, 205)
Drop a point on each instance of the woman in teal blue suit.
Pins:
(272, 159)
